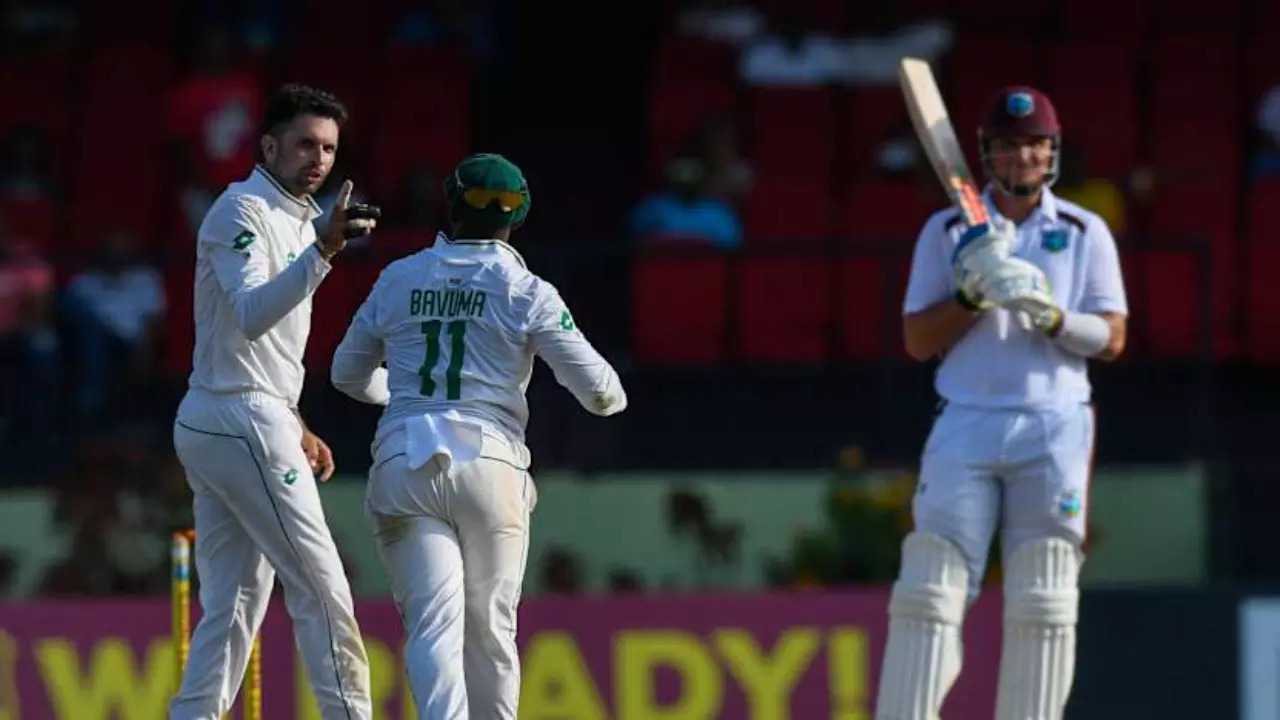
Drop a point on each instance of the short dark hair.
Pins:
(291, 100)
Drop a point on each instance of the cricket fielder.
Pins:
(450, 494)
(250, 461)
(1015, 309)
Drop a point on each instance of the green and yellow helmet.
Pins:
(488, 188)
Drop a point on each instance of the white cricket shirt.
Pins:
(458, 326)
(997, 364)
(256, 269)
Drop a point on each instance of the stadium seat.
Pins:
(678, 307)
(677, 109)
(1227, 17)
(39, 92)
(887, 212)
(784, 308)
(873, 115)
(122, 127)
(423, 117)
(32, 221)
(1194, 102)
(1166, 311)
(1009, 15)
(1264, 212)
(332, 308)
(865, 304)
(785, 212)
(1262, 342)
(1092, 87)
(179, 280)
(791, 133)
(1122, 20)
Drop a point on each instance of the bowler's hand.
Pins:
(349, 221)
(319, 455)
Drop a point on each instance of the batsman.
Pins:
(1015, 308)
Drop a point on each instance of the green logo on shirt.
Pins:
(290, 477)
(566, 321)
(291, 256)
(242, 241)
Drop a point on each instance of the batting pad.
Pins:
(923, 654)
(1037, 662)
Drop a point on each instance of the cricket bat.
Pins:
(933, 127)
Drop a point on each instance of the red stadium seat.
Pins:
(784, 309)
(32, 221)
(1163, 303)
(179, 281)
(1262, 342)
(39, 88)
(890, 212)
(1122, 20)
(865, 306)
(1264, 212)
(792, 132)
(423, 118)
(784, 212)
(1092, 87)
(678, 307)
(122, 126)
(677, 110)
(874, 114)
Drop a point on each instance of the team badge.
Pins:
(1054, 240)
(242, 242)
(1070, 504)
(1020, 104)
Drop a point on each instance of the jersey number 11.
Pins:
(457, 350)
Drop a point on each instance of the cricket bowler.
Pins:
(450, 495)
(1015, 308)
(251, 462)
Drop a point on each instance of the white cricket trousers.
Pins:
(258, 514)
(1025, 472)
(454, 545)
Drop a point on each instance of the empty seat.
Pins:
(677, 110)
(784, 308)
(1262, 311)
(1111, 19)
(791, 133)
(1163, 301)
(1264, 212)
(786, 212)
(423, 120)
(864, 305)
(115, 139)
(678, 303)
(888, 212)
(1092, 87)
(874, 115)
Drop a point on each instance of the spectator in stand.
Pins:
(29, 347)
(684, 212)
(25, 175)
(729, 175)
(213, 111)
(1098, 194)
(1265, 162)
(125, 297)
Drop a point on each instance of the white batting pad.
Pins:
(923, 655)
(1037, 663)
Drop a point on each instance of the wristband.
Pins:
(1083, 334)
(327, 253)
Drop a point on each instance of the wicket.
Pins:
(180, 590)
